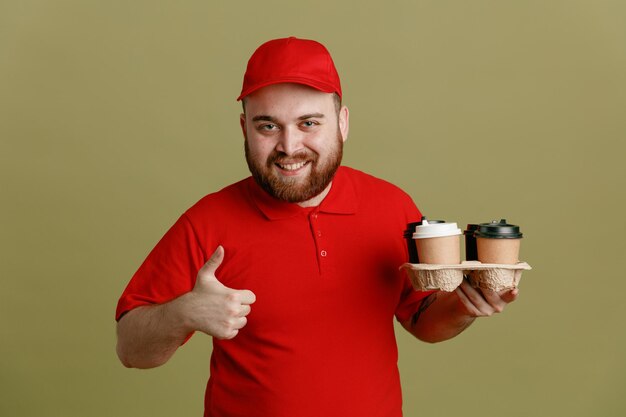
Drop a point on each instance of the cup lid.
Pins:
(470, 229)
(410, 228)
(498, 230)
(428, 229)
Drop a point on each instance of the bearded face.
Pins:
(269, 173)
(294, 138)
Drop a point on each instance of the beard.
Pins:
(295, 190)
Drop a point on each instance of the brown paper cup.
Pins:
(498, 251)
(445, 250)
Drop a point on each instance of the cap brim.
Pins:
(323, 87)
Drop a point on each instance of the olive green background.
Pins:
(116, 116)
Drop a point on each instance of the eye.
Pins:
(309, 123)
(267, 127)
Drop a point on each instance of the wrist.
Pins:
(177, 315)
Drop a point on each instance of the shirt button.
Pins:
(323, 253)
(319, 233)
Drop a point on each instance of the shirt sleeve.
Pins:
(169, 270)
(410, 301)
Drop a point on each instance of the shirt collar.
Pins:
(342, 199)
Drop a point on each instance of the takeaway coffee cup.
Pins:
(410, 243)
(471, 253)
(438, 243)
(498, 242)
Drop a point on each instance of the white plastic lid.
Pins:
(427, 230)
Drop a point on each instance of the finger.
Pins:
(209, 268)
(229, 335)
(474, 295)
(234, 328)
(246, 297)
(244, 310)
(230, 328)
(475, 298)
(467, 303)
(499, 300)
(494, 300)
(510, 295)
(240, 323)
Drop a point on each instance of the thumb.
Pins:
(209, 268)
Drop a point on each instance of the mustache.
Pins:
(278, 157)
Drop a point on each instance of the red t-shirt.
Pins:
(320, 338)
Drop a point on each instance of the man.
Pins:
(293, 271)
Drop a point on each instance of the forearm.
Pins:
(441, 316)
(148, 336)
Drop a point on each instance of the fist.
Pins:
(215, 309)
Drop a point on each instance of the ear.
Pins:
(242, 122)
(344, 122)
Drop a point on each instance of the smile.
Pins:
(292, 167)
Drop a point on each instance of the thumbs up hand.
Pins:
(213, 308)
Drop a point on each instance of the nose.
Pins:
(290, 141)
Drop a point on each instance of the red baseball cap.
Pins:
(291, 60)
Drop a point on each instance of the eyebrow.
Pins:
(265, 118)
(311, 116)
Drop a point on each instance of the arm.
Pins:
(443, 315)
(148, 336)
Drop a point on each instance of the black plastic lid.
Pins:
(429, 221)
(498, 230)
(410, 228)
(471, 228)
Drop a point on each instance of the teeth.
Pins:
(292, 167)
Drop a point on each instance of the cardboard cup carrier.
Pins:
(492, 256)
